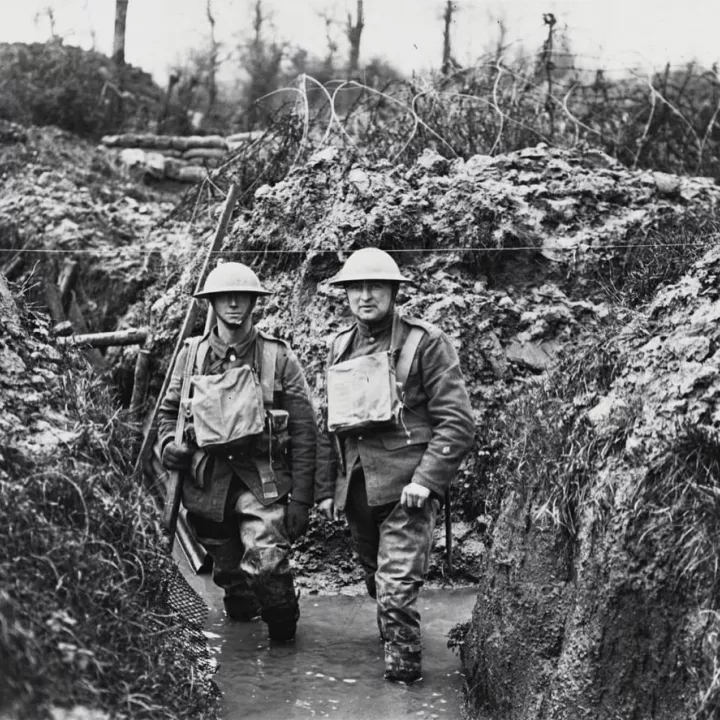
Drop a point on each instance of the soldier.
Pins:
(399, 424)
(248, 458)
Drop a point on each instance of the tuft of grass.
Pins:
(88, 601)
(545, 446)
(679, 501)
(656, 257)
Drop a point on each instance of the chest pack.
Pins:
(367, 391)
(234, 407)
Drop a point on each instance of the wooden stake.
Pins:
(140, 381)
(77, 318)
(66, 280)
(54, 303)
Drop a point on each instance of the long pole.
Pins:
(191, 317)
(448, 534)
(189, 322)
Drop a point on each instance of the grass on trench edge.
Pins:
(87, 602)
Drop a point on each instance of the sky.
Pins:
(611, 34)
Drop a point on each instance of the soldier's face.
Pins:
(232, 308)
(369, 301)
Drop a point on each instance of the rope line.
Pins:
(466, 248)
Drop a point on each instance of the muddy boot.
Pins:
(241, 607)
(282, 622)
(403, 662)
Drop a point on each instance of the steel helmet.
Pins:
(369, 264)
(231, 277)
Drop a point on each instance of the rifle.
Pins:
(174, 486)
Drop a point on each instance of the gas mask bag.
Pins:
(227, 408)
(362, 394)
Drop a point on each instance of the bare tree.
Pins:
(447, 60)
(332, 46)
(353, 31)
(114, 107)
(118, 53)
(212, 59)
(49, 13)
(261, 59)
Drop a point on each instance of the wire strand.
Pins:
(464, 248)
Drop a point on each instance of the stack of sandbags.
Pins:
(175, 157)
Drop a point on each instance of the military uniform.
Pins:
(232, 517)
(366, 473)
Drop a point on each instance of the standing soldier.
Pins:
(248, 456)
(399, 423)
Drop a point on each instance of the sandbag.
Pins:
(204, 154)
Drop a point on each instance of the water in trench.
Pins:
(334, 668)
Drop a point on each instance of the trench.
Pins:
(334, 669)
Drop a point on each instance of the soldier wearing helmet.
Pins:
(248, 456)
(387, 457)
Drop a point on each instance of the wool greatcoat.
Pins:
(244, 531)
(366, 473)
(436, 432)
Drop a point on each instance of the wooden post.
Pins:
(52, 298)
(66, 280)
(140, 381)
(133, 336)
(77, 318)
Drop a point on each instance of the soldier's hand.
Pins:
(297, 518)
(327, 509)
(177, 457)
(414, 495)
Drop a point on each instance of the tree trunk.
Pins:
(118, 58)
(118, 55)
(212, 69)
(354, 33)
(447, 18)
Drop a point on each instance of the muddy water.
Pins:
(334, 668)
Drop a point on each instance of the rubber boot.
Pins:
(403, 663)
(282, 622)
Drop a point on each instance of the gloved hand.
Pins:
(297, 518)
(177, 457)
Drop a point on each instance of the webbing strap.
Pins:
(202, 352)
(192, 347)
(267, 371)
(409, 348)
